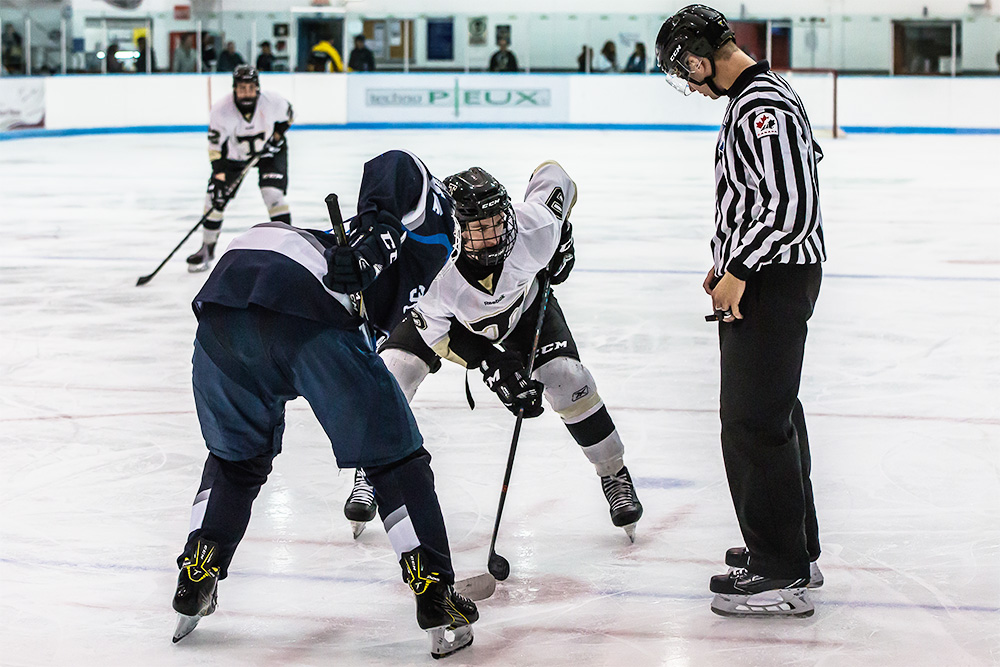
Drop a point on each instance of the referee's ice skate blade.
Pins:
(442, 646)
(479, 587)
(185, 624)
(781, 602)
(630, 531)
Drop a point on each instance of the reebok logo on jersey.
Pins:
(765, 124)
(498, 300)
(580, 393)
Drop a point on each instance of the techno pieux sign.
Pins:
(508, 98)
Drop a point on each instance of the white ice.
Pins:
(101, 450)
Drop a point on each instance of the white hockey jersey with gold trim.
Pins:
(492, 311)
(235, 138)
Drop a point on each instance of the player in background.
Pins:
(275, 322)
(251, 122)
(481, 312)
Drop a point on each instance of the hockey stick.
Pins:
(229, 193)
(337, 221)
(482, 586)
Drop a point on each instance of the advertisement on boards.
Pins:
(434, 98)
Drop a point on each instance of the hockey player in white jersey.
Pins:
(250, 122)
(481, 312)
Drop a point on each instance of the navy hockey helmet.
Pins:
(485, 214)
(696, 30)
(246, 74)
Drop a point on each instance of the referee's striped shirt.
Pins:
(767, 191)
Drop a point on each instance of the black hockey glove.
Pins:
(371, 248)
(504, 373)
(273, 146)
(564, 258)
(219, 191)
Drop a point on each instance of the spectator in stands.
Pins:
(607, 61)
(324, 57)
(208, 54)
(229, 59)
(140, 62)
(12, 49)
(185, 59)
(637, 61)
(113, 64)
(362, 59)
(503, 60)
(265, 61)
(585, 61)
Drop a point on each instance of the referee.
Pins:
(768, 246)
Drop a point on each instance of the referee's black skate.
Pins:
(625, 506)
(197, 594)
(441, 611)
(360, 507)
(739, 557)
(201, 260)
(743, 594)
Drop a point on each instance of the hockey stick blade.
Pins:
(477, 588)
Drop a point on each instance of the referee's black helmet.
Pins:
(695, 29)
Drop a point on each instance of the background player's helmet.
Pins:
(478, 196)
(698, 30)
(246, 74)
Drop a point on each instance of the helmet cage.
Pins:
(485, 215)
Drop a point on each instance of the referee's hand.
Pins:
(726, 297)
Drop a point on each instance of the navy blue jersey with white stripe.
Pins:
(281, 268)
(767, 189)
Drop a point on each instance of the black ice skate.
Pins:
(743, 594)
(444, 614)
(625, 506)
(196, 594)
(201, 260)
(360, 506)
(739, 557)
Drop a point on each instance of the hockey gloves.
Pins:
(373, 246)
(505, 374)
(273, 146)
(564, 258)
(219, 192)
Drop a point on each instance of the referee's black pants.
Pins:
(764, 442)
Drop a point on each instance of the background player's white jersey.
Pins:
(233, 137)
(493, 309)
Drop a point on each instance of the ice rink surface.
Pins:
(101, 450)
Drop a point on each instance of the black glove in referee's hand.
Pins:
(372, 247)
(505, 374)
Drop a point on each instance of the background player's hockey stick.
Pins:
(337, 221)
(482, 586)
(229, 193)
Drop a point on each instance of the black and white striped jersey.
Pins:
(767, 190)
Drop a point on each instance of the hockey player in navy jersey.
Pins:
(248, 123)
(275, 321)
(481, 312)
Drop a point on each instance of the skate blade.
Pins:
(630, 531)
(442, 646)
(478, 587)
(358, 527)
(198, 268)
(783, 602)
(185, 624)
